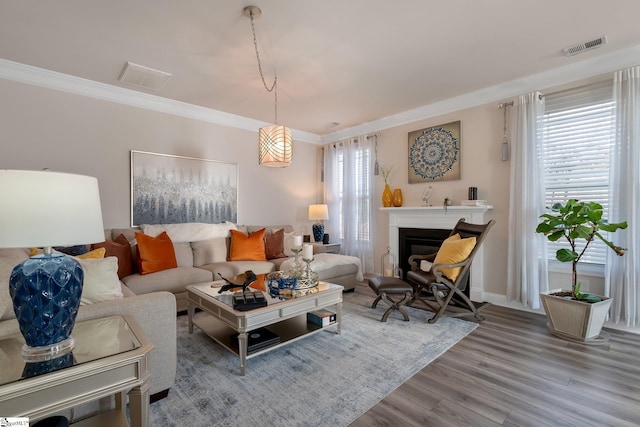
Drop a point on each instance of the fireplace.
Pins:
(418, 241)
(435, 220)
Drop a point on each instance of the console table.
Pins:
(109, 358)
(329, 248)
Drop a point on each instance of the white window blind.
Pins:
(577, 137)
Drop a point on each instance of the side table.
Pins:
(110, 358)
(330, 248)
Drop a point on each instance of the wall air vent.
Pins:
(145, 77)
(583, 47)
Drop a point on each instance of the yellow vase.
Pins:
(386, 196)
(397, 197)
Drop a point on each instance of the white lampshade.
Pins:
(318, 212)
(43, 208)
(275, 146)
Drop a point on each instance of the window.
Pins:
(359, 186)
(577, 135)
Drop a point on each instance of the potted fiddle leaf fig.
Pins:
(576, 315)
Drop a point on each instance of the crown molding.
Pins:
(35, 76)
(563, 75)
(559, 76)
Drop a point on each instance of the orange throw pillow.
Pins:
(247, 248)
(155, 253)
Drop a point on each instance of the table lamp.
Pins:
(318, 213)
(45, 209)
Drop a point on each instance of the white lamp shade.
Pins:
(318, 212)
(43, 208)
(275, 146)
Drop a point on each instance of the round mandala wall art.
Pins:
(433, 152)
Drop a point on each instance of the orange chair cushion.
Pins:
(247, 247)
(155, 253)
(454, 250)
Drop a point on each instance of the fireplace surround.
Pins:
(439, 221)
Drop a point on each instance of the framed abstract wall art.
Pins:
(167, 189)
(434, 153)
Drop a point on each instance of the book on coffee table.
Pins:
(260, 338)
(321, 317)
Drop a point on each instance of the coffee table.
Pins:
(285, 317)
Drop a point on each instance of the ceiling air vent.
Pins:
(141, 76)
(583, 47)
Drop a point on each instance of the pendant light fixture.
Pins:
(275, 145)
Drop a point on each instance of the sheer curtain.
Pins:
(527, 260)
(621, 279)
(348, 188)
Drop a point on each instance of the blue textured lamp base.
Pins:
(318, 232)
(46, 291)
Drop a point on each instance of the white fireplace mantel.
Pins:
(440, 218)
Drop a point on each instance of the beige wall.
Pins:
(481, 166)
(42, 128)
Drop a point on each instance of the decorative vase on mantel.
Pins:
(387, 198)
(397, 198)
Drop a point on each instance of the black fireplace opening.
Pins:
(419, 241)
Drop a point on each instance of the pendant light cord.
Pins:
(274, 86)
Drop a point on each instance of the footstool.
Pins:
(385, 287)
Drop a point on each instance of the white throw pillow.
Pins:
(101, 281)
(190, 231)
(288, 243)
(425, 265)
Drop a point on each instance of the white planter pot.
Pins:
(575, 320)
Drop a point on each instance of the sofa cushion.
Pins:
(172, 280)
(184, 254)
(155, 253)
(101, 281)
(247, 247)
(274, 245)
(208, 251)
(120, 249)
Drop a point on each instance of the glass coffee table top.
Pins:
(95, 339)
(273, 296)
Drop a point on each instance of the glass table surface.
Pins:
(273, 296)
(95, 339)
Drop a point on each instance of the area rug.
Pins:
(322, 380)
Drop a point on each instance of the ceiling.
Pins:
(339, 63)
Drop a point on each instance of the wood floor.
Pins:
(511, 372)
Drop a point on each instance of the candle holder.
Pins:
(296, 265)
(308, 277)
